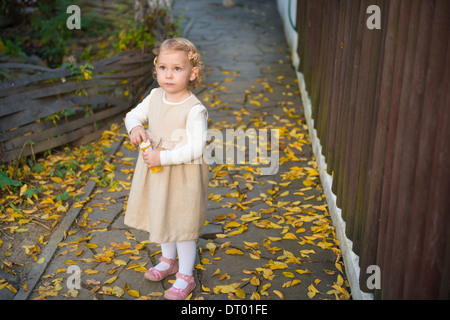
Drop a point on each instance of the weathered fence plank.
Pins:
(117, 84)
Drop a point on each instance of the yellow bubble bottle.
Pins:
(147, 145)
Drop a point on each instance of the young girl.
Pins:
(171, 204)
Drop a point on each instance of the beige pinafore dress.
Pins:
(169, 204)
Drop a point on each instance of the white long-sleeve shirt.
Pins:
(196, 131)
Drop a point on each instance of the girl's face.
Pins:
(173, 73)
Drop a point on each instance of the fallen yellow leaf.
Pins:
(23, 189)
(212, 247)
(11, 288)
(206, 289)
(232, 224)
(255, 296)
(110, 280)
(307, 183)
(56, 179)
(265, 288)
(90, 271)
(291, 283)
(288, 274)
(254, 256)
(255, 102)
(234, 251)
(290, 236)
(120, 262)
(279, 294)
(200, 267)
(240, 293)
(140, 269)
(255, 281)
(312, 291)
(303, 271)
(134, 293)
(227, 288)
(254, 245)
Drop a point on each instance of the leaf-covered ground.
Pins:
(266, 236)
(47, 188)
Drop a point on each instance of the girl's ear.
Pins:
(194, 74)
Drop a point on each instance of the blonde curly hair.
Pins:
(194, 57)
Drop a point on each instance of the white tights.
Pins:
(186, 258)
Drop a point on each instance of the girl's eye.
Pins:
(162, 67)
(177, 69)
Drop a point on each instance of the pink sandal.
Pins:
(181, 294)
(153, 274)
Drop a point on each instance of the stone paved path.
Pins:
(268, 236)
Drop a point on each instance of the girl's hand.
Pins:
(152, 158)
(137, 134)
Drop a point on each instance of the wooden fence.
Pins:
(26, 103)
(381, 107)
